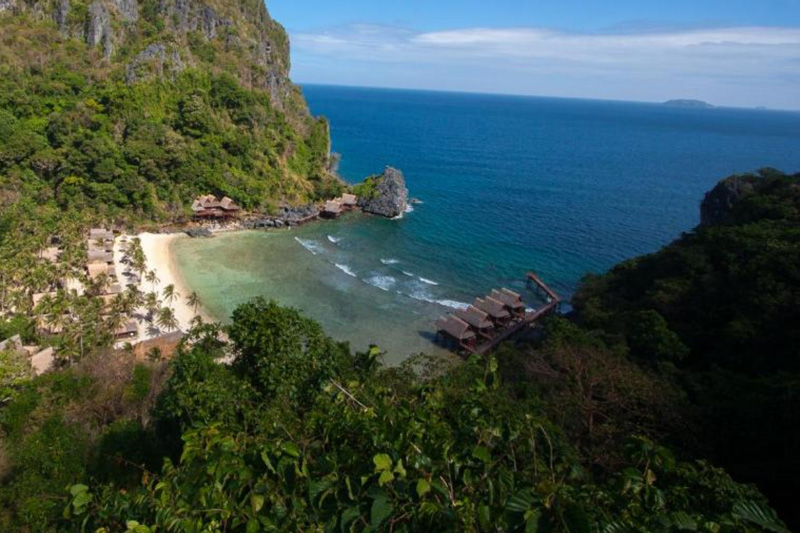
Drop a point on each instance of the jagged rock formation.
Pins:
(158, 60)
(385, 195)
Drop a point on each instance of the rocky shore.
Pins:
(286, 217)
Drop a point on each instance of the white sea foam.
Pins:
(423, 296)
(333, 239)
(346, 269)
(409, 274)
(385, 283)
(428, 281)
(452, 303)
(409, 208)
(312, 246)
(390, 261)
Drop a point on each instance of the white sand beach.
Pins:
(157, 250)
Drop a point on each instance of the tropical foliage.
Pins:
(75, 133)
(718, 311)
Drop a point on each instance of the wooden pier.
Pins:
(504, 329)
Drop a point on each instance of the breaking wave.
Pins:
(390, 261)
(312, 246)
(385, 283)
(428, 281)
(346, 269)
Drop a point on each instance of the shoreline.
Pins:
(157, 248)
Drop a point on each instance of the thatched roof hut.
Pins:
(42, 361)
(228, 205)
(13, 344)
(129, 329)
(493, 308)
(455, 328)
(508, 298)
(475, 317)
(116, 288)
(39, 296)
(95, 270)
(100, 233)
(332, 209)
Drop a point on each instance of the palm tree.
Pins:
(166, 319)
(152, 278)
(170, 294)
(193, 301)
(152, 303)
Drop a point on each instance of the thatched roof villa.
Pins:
(456, 329)
(209, 207)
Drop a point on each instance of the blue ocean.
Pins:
(507, 184)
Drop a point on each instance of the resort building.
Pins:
(14, 344)
(332, 209)
(128, 330)
(349, 201)
(456, 329)
(43, 361)
(208, 207)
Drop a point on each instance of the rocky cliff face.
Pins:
(718, 203)
(388, 195)
(145, 38)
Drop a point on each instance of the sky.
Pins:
(743, 53)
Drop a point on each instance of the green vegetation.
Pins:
(717, 311)
(693, 347)
(368, 189)
(76, 134)
(340, 444)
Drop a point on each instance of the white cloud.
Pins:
(766, 56)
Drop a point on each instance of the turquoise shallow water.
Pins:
(562, 187)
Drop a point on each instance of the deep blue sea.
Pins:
(509, 184)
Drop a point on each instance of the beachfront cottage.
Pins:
(96, 234)
(477, 319)
(14, 345)
(332, 209)
(496, 310)
(208, 207)
(457, 330)
(349, 201)
(511, 300)
(39, 296)
(43, 361)
(128, 330)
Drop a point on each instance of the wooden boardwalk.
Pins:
(528, 319)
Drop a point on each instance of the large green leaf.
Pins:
(381, 510)
(764, 517)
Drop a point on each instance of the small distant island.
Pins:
(696, 104)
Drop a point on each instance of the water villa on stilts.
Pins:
(483, 326)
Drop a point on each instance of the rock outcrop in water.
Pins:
(385, 195)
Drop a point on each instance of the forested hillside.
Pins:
(719, 310)
(129, 109)
(616, 418)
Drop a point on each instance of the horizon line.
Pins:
(528, 95)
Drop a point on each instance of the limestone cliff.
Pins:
(133, 107)
(161, 37)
